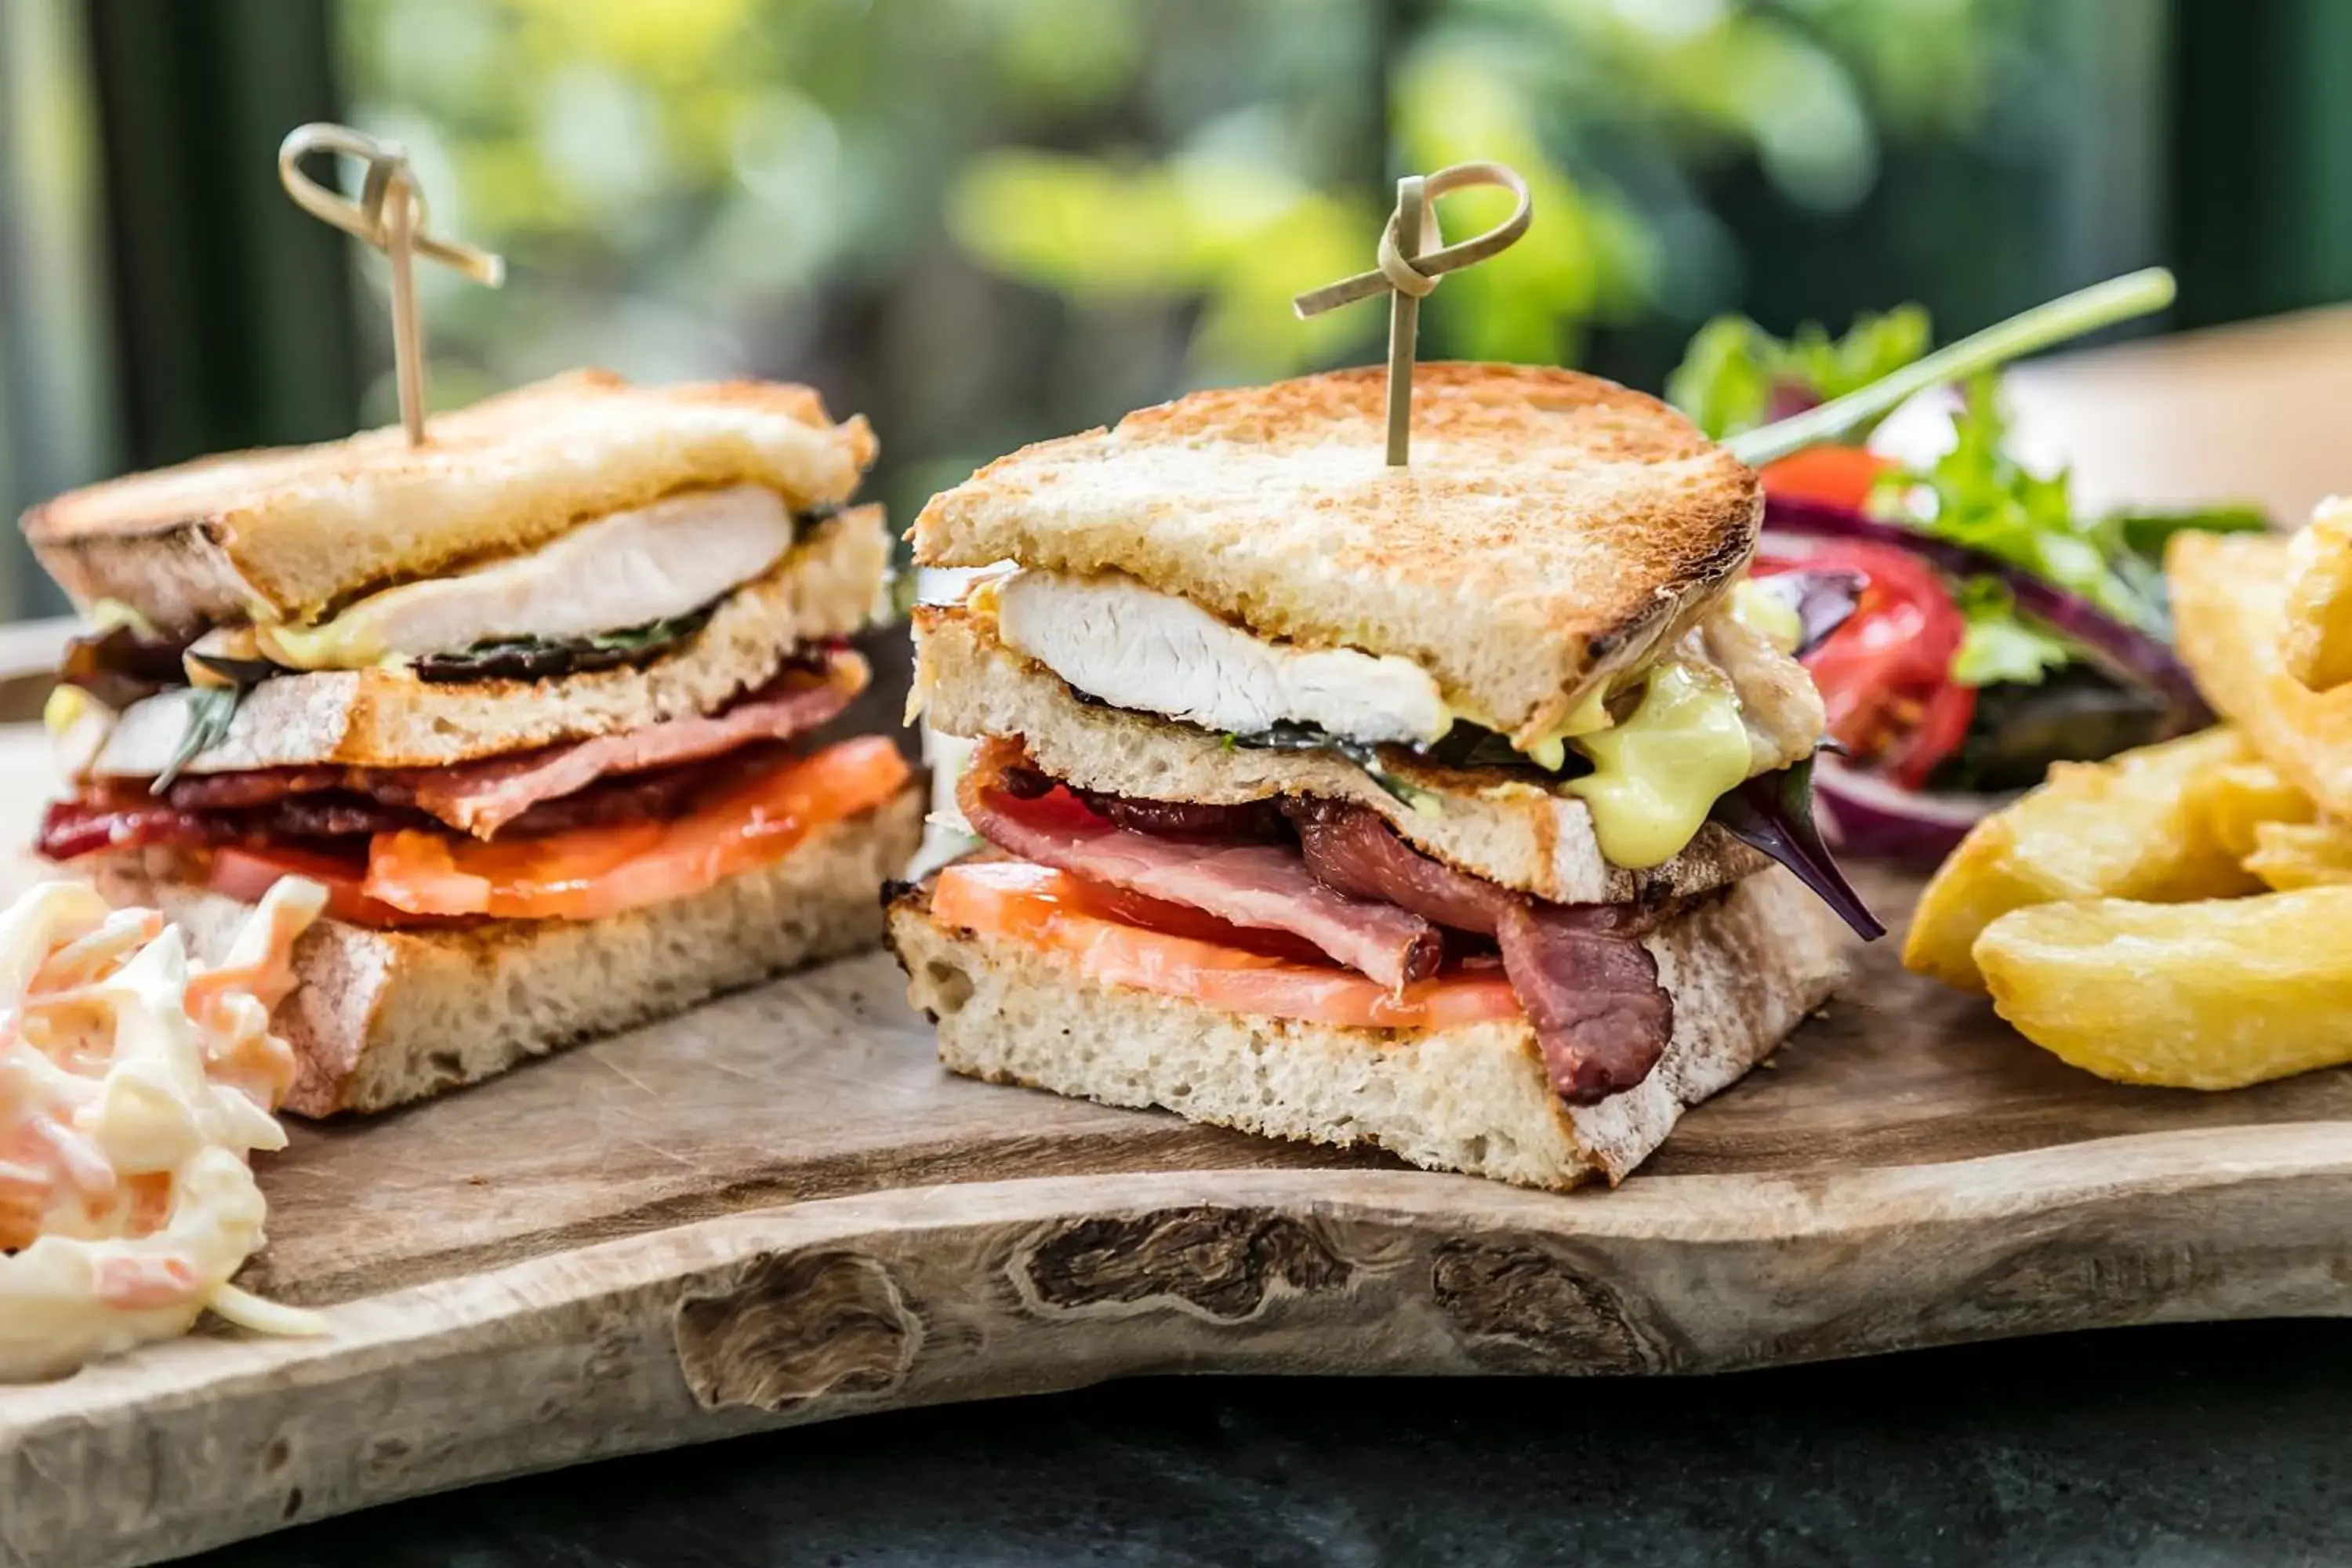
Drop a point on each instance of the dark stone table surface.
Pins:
(2203, 1447)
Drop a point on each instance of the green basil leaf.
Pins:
(210, 710)
(1293, 737)
(537, 658)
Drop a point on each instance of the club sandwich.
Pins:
(1435, 808)
(537, 702)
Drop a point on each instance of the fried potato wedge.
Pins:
(2236, 800)
(2212, 995)
(2291, 854)
(2228, 595)
(2316, 637)
(2130, 827)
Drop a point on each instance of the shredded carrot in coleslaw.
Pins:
(134, 1087)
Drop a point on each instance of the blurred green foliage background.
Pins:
(983, 222)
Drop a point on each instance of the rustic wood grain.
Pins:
(778, 1210)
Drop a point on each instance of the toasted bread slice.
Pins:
(826, 587)
(289, 534)
(1509, 833)
(380, 1018)
(1743, 969)
(1549, 528)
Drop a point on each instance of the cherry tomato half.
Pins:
(1885, 675)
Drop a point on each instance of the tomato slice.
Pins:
(425, 870)
(1831, 476)
(245, 872)
(1022, 902)
(592, 872)
(1885, 676)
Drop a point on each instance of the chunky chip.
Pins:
(2134, 827)
(2211, 995)
(2314, 634)
(2118, 915)
(2228, 600)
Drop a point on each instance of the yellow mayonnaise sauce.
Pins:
(1656, 773)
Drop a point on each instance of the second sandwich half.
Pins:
(536, 701)
(1428, 807)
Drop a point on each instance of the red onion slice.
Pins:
(2124, 652)
(1874, 817)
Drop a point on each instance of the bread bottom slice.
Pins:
(380, 1018)
(1743, 969)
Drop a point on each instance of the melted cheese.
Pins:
(1767, 614)
(1656, 774)
(67, 706)
(1590, 714)
(624, 570)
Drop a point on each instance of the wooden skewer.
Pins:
(1409, 233)
(389, 215)
(407, 332)
(1413, 259)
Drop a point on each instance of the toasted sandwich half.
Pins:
(537, 702)
(1431, 807)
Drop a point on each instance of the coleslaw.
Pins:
(134, 1086)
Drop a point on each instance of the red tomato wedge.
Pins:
(590, 872)
(1944, 721)
(1022, 902)
(1833, 476)
(1885, 675)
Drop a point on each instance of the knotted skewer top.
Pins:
(389, 214)
(1410, 266)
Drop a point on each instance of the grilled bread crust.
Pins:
(1550, 527)
(291, 533)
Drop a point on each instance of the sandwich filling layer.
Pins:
(1331, 884)
(540, 789)
(1649, 752)
(571, 832)
(125, 707)
(634, 568)
(559, 780)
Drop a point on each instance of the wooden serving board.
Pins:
(780, 1210)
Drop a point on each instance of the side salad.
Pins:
(1997, 629)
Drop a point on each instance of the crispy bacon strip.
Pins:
(482, 797)
(1590, 987)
